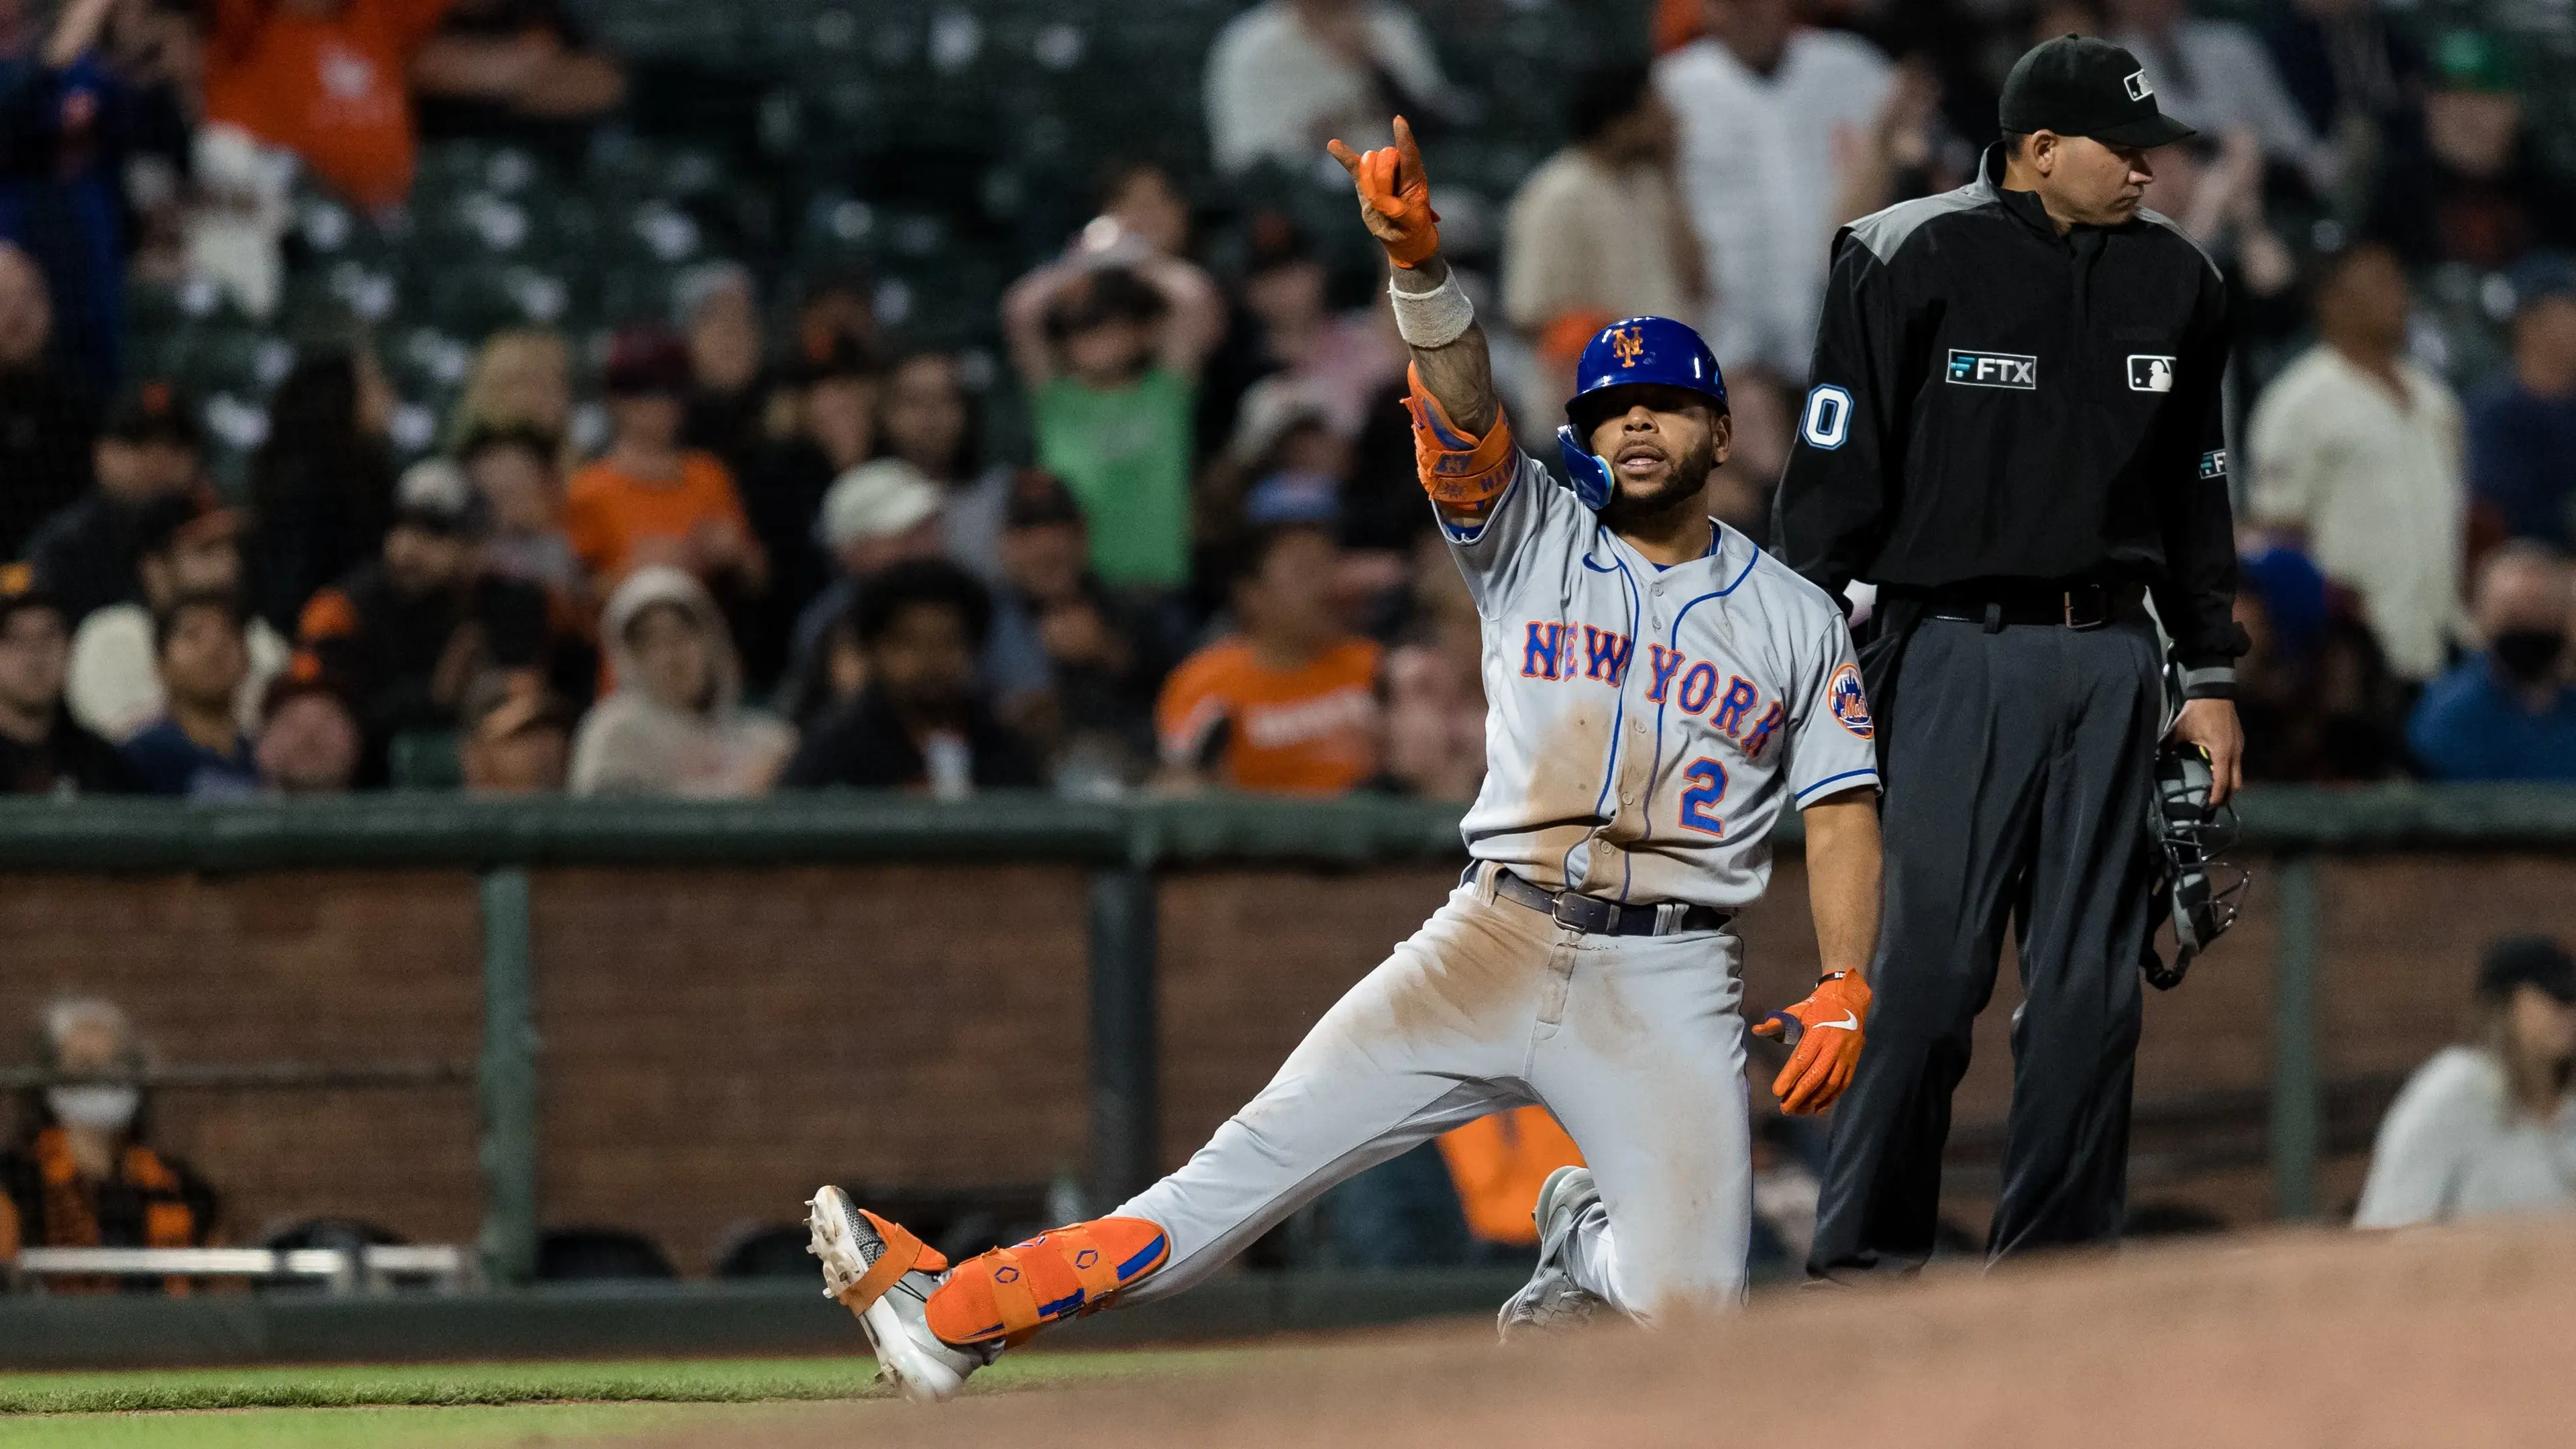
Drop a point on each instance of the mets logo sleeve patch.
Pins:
(1849, 702)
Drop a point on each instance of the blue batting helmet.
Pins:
(1640, 350)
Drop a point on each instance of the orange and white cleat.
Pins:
(1003, 1296)
(886, 1276)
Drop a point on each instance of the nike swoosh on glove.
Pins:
(1828, 1049)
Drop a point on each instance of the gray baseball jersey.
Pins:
(1648, 725)
(1645, 729)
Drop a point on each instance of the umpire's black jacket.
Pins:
(1994, 401)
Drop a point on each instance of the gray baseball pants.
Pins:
(1634, 1042)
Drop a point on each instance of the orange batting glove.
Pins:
(1828, 1043)
(1395, 196)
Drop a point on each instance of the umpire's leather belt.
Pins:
(2065, 605)
(1596, 917)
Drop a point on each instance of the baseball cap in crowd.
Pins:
(2077, 85)
(303, 676)
(1310, 500)
(1039, 499)
(154, 412)
(2474, 61)
(182, 520)
(2518, 961)
(434, 496)
(2540, 277)
(647, 361)
(20, 589)
(875, 500)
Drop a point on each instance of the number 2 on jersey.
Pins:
(1710, 777)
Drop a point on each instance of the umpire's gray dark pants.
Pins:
(2017, 776)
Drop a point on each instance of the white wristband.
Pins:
(1435, 318)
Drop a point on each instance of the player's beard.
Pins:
(1681, 485)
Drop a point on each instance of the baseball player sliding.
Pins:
(1661, 692)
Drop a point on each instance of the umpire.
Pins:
(2015, 433)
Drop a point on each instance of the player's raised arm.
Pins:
(1463, 444)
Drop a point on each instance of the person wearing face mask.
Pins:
(2508, 713)
(83, 1172)
(2488, 1126)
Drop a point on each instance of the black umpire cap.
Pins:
(2076, 85)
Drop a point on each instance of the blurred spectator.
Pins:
(1435, 689)
(929, 421)
(309, 743)
(2350, 68)
(676, 724)
(326, 79)
(1599, 231)
(43, 751)
(876, 515)
(322, 485)
(2356, 451)
(1286, 76)
(521, 378)
(2522, 426)
(198, 749)
(1288, 704)
(717, 307)
(2318, 701)
(512, 473)
(183, 547)
(837, 306)
(650, 501)
(2488, 1126)
(45, 429)
(2212, 188)
(1765, 105)
(1097, 657)
(1285, 339)
(1498, 1163)
(515, 741)
(919, 723)
(83, 1172)
(2215, 75)
(1765, 416)
(69, 121)
(516, 70)
(1112, 390)
(2478, 193)
(84, 554)
(835, 397)
(404, 634)
(2508, 713)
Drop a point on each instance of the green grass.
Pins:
(626, 1387)
(513, 1426)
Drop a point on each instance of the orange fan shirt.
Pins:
(1499, 1163)
(608, 516)
(1306, 731)
(336, 91)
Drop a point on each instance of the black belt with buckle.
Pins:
(2060, 605)
(1596, 917)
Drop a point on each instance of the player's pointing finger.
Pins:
(1405, 147)
(1349, 158)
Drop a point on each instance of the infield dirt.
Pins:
(2332, 1340)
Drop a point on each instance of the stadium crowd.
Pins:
(792, 558)
(766, 539)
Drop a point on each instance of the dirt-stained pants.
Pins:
(1634, 1042)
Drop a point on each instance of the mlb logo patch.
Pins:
(2136, 85)
(2150, 374)
(1849, 702)
(1993, 369)
(2213, 464)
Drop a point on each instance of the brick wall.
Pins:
(715, 1042)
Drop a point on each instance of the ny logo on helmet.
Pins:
(1629, 343)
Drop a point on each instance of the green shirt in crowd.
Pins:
(1125, 453)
